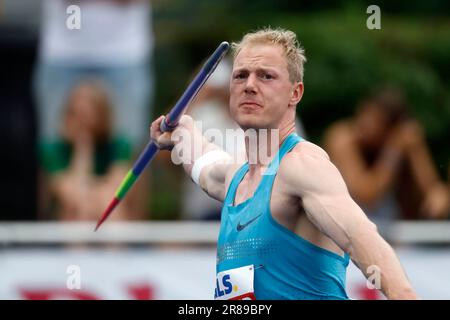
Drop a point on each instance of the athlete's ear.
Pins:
(297, 94)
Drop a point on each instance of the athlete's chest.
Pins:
(284, 208)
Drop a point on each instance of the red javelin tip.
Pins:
(107, 212)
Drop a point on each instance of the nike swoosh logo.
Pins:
(241, 227)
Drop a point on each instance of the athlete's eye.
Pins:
(240, 75)
(267, 76)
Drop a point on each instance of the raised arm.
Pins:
(210, 163)
(316, 181)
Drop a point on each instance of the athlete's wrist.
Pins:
(208, 158)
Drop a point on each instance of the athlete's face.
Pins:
(261, 93)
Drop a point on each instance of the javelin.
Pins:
(169, 124)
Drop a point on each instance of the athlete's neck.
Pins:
(263, 144)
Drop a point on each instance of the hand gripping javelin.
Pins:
(169, 124)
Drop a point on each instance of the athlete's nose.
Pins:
(250, 84)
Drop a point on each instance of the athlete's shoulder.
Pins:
(305, 166)
(305, 150)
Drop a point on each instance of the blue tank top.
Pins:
(286, 266)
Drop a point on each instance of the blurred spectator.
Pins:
(87, 163)
(114, 44)
(382, 154)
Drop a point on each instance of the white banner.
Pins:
(171, 273)
(107, 274)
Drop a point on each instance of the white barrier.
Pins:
(111, 232)
(426, 232)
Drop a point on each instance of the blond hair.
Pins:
(295, 54)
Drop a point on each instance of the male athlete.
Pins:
(289, 233)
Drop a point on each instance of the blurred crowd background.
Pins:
(76, 105)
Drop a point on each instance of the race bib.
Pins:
(235, 284)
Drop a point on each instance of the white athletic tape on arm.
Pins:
(205, 160)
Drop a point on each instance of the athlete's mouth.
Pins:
(250, 105)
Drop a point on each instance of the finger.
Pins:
(155, 126)
(164, 141)
(157, 122)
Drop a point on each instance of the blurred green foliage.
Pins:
(345, 59)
